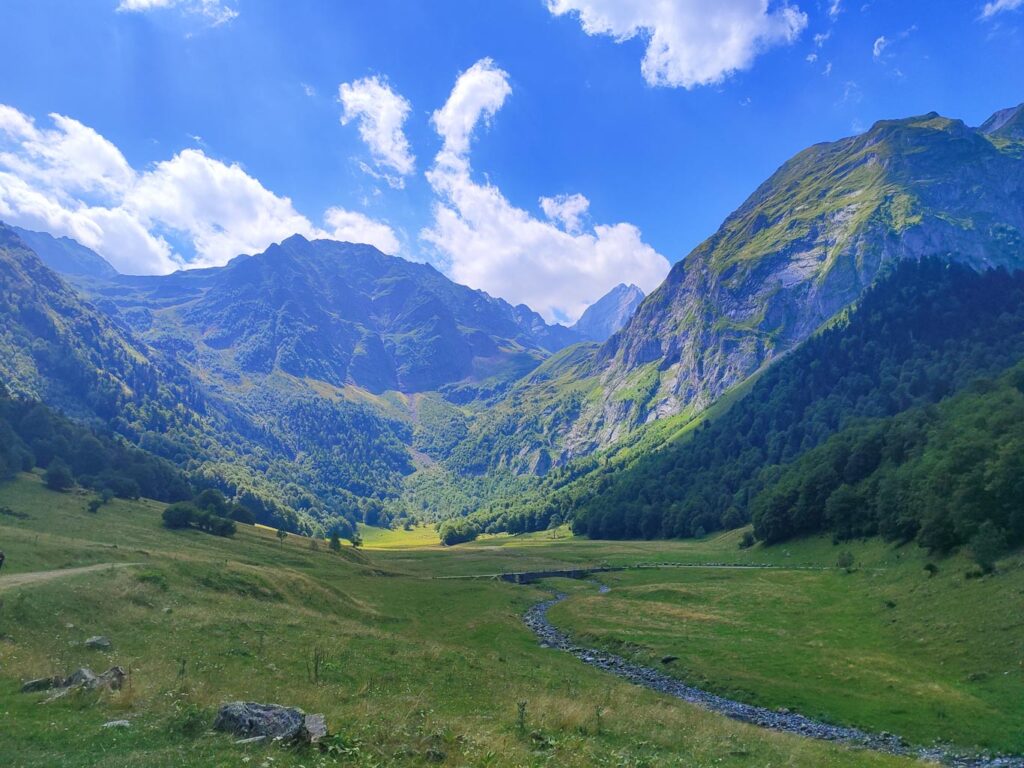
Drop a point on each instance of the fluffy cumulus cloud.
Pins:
(214, 11)
(691, 42)
(488, 243)
(380, 114)
(355, 227)
(567, 210)
(220, 208)
(70, 180)
(998, 6)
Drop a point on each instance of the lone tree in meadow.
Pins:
(282, 535)
(58, 476)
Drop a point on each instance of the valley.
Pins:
(787, 483)
(419, 669)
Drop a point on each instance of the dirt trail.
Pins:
(10, 581)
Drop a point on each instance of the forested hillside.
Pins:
(58, 349)
(919, 336)
(945, 475)
(33, 435)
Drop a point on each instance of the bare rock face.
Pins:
(252, 720)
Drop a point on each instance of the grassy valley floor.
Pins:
(422, 670)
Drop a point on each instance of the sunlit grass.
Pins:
(417, 668)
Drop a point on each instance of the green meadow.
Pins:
(411, 668)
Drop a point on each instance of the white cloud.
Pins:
(70, 180)
(220, 208)
(308, 89)
(490, 244)
(998, 6)
(690, 42)
(380, 114)
(478, 94)
(812, 57)
(354, 227)
(215, 11)
(821, 38)
(567, 210)
(835, 8)
(879, 47)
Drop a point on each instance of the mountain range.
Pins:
(333, 381)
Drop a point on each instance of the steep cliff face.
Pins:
(804, 246)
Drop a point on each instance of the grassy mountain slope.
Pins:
(66, 256)
(338, 313)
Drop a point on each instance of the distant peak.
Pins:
(1009, 121)
(609, 313)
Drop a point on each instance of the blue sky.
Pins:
(186, 90)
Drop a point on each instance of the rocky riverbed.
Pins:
(536, 618)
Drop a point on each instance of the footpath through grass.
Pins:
(416, 670)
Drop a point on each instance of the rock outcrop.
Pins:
(251, 720)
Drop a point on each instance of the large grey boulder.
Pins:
(248, 719)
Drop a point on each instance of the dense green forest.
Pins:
(945, 475)
(921, 334)
(33, 435)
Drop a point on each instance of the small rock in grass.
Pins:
(118, 724)
(669, 659)
(314, 729)
(99, 643)
(42, 684)
(112, 679)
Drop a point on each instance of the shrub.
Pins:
(211, 500)
(58, 476)
(845, 560)
(179, 515)
(242, 514)
(748, 540)
(987, 545)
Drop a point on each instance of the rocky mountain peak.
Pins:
(609, 313)
(1007, 123)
